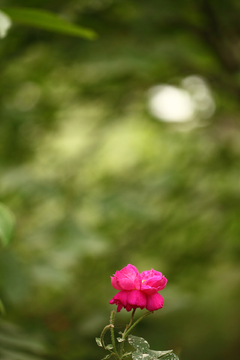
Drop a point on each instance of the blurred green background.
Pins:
(97, 181)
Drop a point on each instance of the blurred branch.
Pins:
(217, 36)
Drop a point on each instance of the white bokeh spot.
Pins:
(191, 101)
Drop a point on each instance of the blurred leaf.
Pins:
(48, 21)
(143, 351)
(7, 222)
(16, 344)
(5, 24)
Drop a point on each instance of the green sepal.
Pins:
(99, 342)
(126, 355)
(109, 347)
(119, 339)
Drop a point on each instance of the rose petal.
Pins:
(152, 281)
(148, 289)
(114, 281)
(120, 298)
(154, 302)
(129, 307)
(156, 281)
(137, 298)
(126, 279)
(150, 274)
(150, 286)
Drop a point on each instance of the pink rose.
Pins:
(152, 281)
(126, 279)
(138, 290)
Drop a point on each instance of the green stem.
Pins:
(108, 327)
(127, 327)
(125, 334)
(112, 318)
(131, 320)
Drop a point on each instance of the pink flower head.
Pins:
(152, 281)
(126, 279)
(138, 290)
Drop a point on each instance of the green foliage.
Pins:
(143, 351)
(96, 182)
(48, 21)
(7, 222)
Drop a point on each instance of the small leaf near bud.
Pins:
(126, 355)
(98, 341)
(120, 339)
